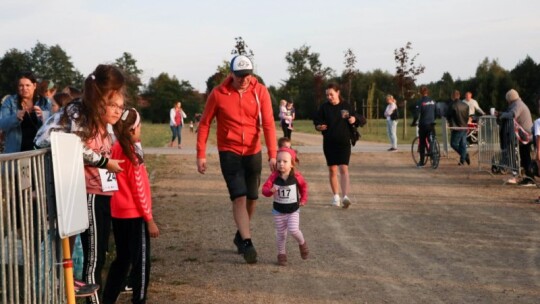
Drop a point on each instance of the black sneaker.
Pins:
(84, 290)
(526, 183)
(127, 288)
(468, 159)
(238, 242)
(250, 254)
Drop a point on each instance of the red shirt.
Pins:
(133, 198)
(239, 117)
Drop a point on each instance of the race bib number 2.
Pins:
(108, 180)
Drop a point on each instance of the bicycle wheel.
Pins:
(435, 153)
(415, 152)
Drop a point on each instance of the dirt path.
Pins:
(451, 235)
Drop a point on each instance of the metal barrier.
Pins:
(497, 146)
(29, 245)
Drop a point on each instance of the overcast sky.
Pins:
(189, 39)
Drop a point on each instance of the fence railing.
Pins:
(497, 146)
(30, 250)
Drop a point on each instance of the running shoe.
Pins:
(238, 242)
(84, 290)
(250, 254)
(511, 181)
(336, 202)
(526, 183)
(346, 202)
(304, 250)
(282, 259)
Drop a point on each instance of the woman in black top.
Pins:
(335, 119)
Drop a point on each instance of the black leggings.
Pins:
(286, 131)
(132, 249)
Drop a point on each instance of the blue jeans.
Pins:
(458, 141)
(176, 132)
(391, 130)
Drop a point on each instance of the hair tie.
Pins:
(137, 120)
(124, 115)
(92, 76)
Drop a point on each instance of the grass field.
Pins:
(158, 135)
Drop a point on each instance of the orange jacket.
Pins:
(239, 117)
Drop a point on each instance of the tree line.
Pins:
(305, 85)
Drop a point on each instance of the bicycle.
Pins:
(433, 150)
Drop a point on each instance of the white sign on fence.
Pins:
(69, 183)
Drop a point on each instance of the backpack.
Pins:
(395, 114)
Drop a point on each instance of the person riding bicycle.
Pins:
(424, 114)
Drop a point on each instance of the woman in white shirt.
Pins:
(177, 116)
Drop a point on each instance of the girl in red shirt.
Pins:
(131, 212)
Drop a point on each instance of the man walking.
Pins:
(241, 106)
(458, 116)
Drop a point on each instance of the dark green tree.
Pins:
(133, 81)
(350, 72)
(241, 48)
(52, 63)
(163, 91)
(526, 75)
(305, 86)
(406, 74)
(492, 82)
(11, 64)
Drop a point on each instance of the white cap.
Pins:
(241, 66)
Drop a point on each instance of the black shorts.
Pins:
(336, 154)
(241, 173)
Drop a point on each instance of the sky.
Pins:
(190, 39)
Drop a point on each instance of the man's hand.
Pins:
(201, 165)
(321, 127)
(272, 163)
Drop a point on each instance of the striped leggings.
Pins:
(287, 222)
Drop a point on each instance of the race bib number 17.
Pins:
(108, 180)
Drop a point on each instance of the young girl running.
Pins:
(101, 104)
(131, 211)
(290, 192)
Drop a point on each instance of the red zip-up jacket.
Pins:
(133, 198)
(239, 117)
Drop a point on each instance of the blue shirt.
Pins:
(11, 125)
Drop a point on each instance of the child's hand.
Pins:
(114, 165)
(153, 229)
(302, 204)
(275, 189)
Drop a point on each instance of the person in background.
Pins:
(131, 212)
(536, 138)
(458, 117)
(517, 110)
(424, 115)
(242, 108)
(286, 115)
(177, 115)
(73, 92)
(391, 122)
(47, 89)
(59, 100)
(22, 114)
(334, 120)
(474, 107)
(290, 192)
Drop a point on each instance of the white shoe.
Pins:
(346, 202)
(336, 202)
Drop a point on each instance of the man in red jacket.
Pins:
(241, 106)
